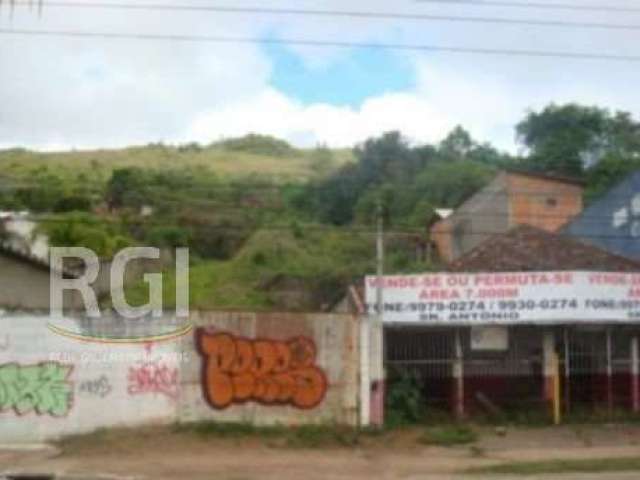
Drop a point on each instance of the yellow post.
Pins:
(556, 388)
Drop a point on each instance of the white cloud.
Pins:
(65, 93)
(100, 92)
(271, 112)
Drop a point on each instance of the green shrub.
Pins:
(404, 403)
(169, 236)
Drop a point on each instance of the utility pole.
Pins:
(371, 349)
(378, 326)
(380, 260)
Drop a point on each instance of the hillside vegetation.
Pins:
(257, 213)
(236, 158)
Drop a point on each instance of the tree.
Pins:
(606, 173)
(387, 159)
(126, 188)
(408, 181)
(334, 199)
(568, 139)
(447, 184)
(460, 145)
(457, 144)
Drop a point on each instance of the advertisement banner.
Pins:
(507, 298)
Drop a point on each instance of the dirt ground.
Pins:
(160, 453)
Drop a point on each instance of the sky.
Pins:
(63, 93)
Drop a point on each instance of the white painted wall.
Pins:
(52, 385)
(107, 384)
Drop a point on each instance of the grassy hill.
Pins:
(225, 159)
(244, 207)
(221, 200)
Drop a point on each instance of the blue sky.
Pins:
(349, 81)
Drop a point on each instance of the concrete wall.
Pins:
(278, 368)
(314, 356)
(52, 386)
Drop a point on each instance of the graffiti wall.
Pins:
(42, 388)
(260, 368)
(272, 368)
(272, 372)
(51, 385)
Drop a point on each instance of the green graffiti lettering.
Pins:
(42, 388)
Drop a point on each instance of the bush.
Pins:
(84, 230)
(169, 236)
(404, 403)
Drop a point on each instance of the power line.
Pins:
(190, 38)
(537, 5)
(336, 13)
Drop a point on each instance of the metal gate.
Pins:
(426, 354)
(504, 379)
(596, 364)
(596, 369)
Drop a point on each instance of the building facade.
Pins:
(512, 198)
(612, 222)
(526, 320)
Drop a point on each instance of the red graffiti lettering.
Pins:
(271, 372)
(153, 377)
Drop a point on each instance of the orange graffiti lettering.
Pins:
(236, 370)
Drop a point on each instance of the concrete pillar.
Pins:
(633, 370)
(376, 373)
(458, 377)
(548, 367)
(567, 370)
(551, 375)
(365, 377)
(609, 370)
